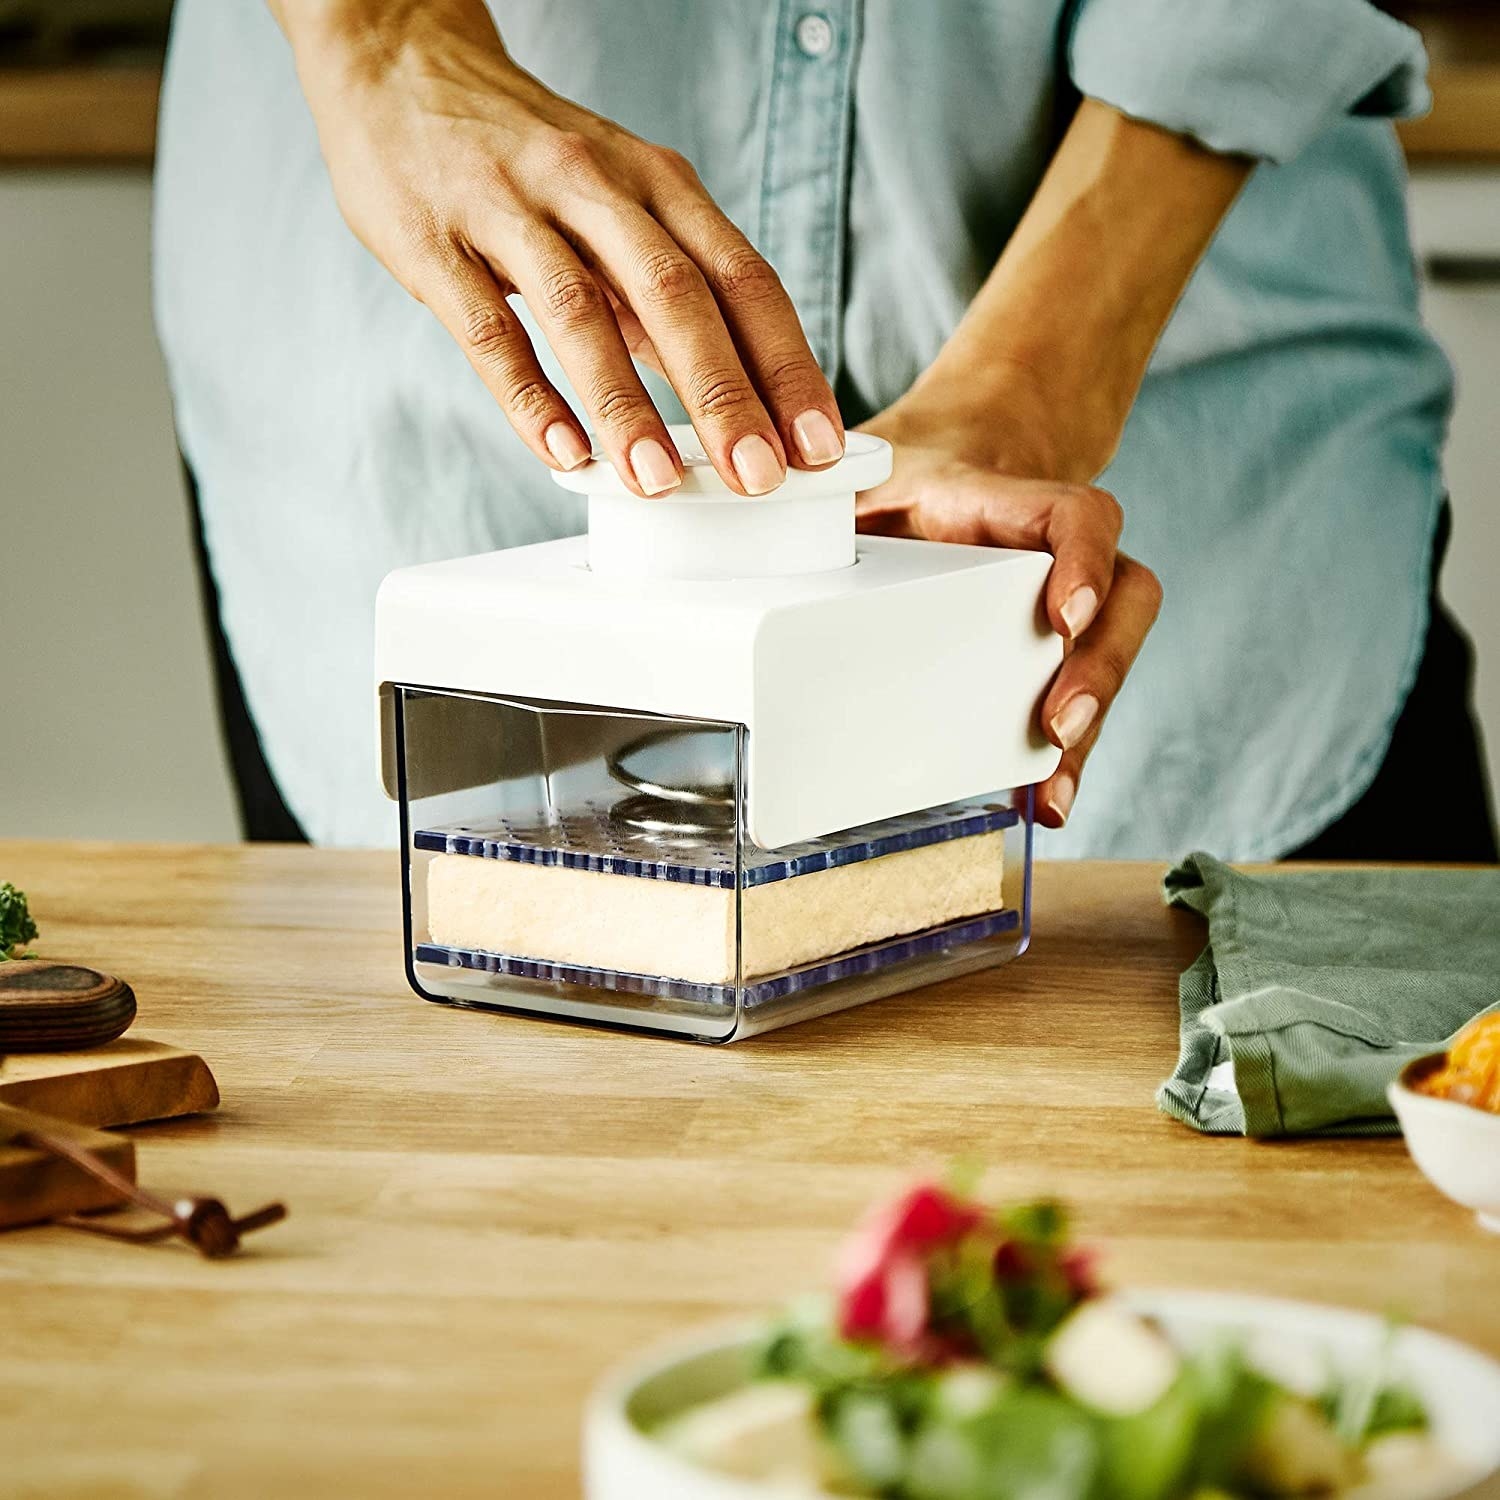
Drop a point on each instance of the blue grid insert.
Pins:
(759, 992)
(586, 838)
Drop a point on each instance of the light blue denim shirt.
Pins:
(1281, 470)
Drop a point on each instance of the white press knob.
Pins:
(705, 531)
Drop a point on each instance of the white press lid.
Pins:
(705, 531)
(872, 680)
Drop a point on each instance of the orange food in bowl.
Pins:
(1471, 1073)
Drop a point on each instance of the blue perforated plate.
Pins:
(759, 992)
(587, 838)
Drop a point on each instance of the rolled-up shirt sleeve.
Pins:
(1253, 77)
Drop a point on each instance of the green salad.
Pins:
(16, 926)
(971, 1354)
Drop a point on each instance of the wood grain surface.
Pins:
(36, 1184)
(55, 1007)
(487, 1212)
(127, 1081)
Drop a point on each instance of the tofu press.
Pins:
(717, 765)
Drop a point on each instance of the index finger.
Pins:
(764, 325)
(1078, 524)
(1091, 678)
(1083, 534)
(664, 290)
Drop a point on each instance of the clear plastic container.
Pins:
(593, 865)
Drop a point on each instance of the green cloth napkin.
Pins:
(1320, 986)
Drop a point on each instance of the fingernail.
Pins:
(756, 463)
(1081, 607)
(565, 445)
(818, 439)
(1064, 789)
(653, 467)
(1072, 720)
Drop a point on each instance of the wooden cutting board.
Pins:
(125, 1082)
(36, 1186)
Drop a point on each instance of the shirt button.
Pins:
(814, 35)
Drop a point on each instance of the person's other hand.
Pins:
(471, 181)
(974, 479)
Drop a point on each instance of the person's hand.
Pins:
(471, 181)
(973, 478)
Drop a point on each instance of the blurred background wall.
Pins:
(107, 729)
(106, 719)
(106, 722)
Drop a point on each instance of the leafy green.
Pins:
(1368, 1405)
(871, 1426)
(971, 1432)
(1042, 1223)
(16, 927)
(806, 1346)
(1397, 1409)
(1003, 1291)
(972, 1412)
(1233, 1403)
(1390, 1408)
(1030, 1443)
(1148, 1455)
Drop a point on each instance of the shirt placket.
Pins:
(804, 202)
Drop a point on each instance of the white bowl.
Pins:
(620, 1462)
(1456, 1145)
(1459, 1387)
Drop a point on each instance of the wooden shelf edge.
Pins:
(78, 115)
(1465, 121)
(108, 115)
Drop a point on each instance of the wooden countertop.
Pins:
(486, 1212)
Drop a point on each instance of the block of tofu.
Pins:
(638, 925)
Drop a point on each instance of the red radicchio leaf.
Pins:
(923, 1219)
(889, 1306)
(928, 1217)
(1011, 1261)
(882, 1273)
(1080, 1268)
